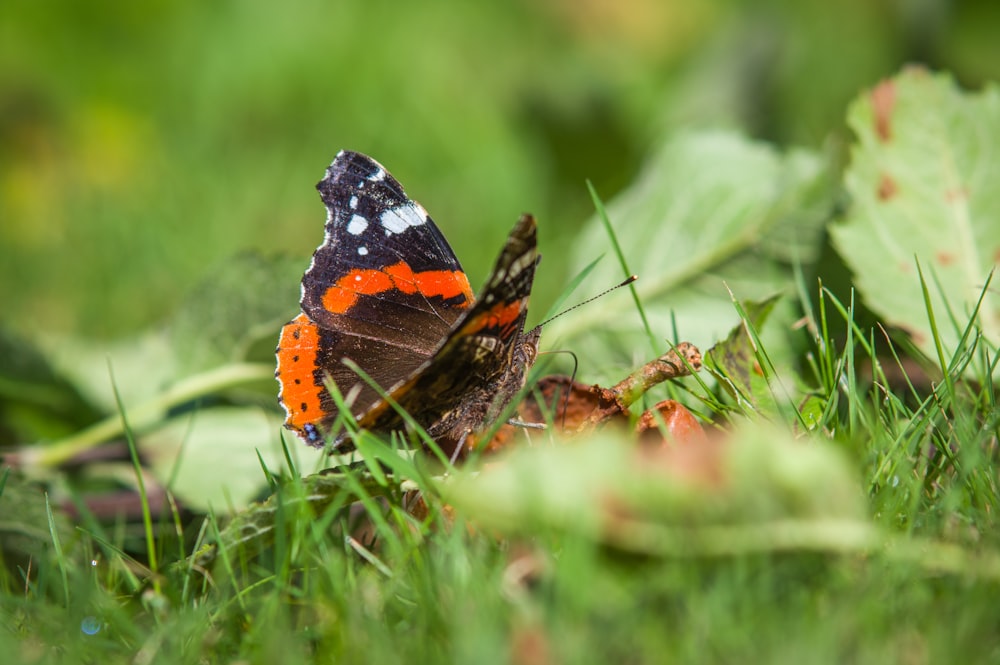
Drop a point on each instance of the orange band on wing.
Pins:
(300, 395)
(500, 317)
(343, 295)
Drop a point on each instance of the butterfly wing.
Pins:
(383, 290)
(481, 364)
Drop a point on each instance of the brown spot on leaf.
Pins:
(529, 644)
(887, 187)
(883, 98)
(945, 258)
(956, 195)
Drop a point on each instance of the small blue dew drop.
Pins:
(90, 626)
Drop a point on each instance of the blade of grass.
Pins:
(293, 469)
(935, 333)
(147, 517)
(368, 556)
(57, 547)
(412, 424)
(602, 214)
(225, 555)
(272, 483)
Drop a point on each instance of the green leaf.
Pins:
(237, 309)
(925, 186)
(710, 209)
(36, 401)
(209, 460)
(733, 361)
(142, 365)
(760, 489)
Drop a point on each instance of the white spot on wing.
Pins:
(362, 250)
(354, 202)
(357, 225)
(379, 175)
(400, 218)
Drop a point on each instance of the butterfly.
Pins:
(385, 291)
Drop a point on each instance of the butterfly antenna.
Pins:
(629, 280)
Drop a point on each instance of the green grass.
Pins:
(287, 586)
(854, 517)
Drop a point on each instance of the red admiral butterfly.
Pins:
(386, 291)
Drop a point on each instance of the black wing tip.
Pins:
(525, 230)
(352, 168)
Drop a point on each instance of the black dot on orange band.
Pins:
(295, 359)
(296, 333)
(304, 407)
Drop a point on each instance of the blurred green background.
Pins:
(142, 144)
